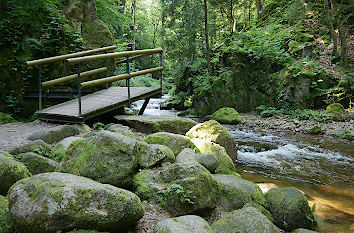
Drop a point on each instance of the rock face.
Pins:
(175, 142)
(236, 192)
(302, 230)
(214, 132)
(54, 201)
(106, 157)
(289, 208)
(209, 161)
(226, 116)
(180, 188)
(225, 165)
(152, 155)
(121, 129)
(59, 150)
(10, 171)
(38, 146)
(36, 163)
(260, 209)
(56, 134)
(152, 124)
(5, 222)
(245, 220)
(183, 224)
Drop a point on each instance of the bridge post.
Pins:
(39, 88)
(106, 73)
(79, 87)
(128, 79)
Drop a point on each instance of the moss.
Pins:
(289, 208)
(6, 225)
(36, 163)
(335, 107)
(315, 130)
(35, 146)
(227, 116)
(261, 209)
(10, 172)
(58, 152)
(213, 131)
(225, 166)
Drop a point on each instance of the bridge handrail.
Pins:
(119, 77)
(92, 58)
(67, 56)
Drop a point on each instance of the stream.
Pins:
(323, 168)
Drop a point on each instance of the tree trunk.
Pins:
(245, 13)
(329, 15)
(231, 16)
(207, 36)
(134, 22)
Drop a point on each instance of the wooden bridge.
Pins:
(107, 100)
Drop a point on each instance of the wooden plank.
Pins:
(96, 104)
(66, 56)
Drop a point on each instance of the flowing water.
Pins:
(322, 168)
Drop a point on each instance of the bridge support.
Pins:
(141, 112)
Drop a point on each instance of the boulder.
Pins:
(152, 155)
(289, 208)
(213, 131)
(245, 220)
(175, 142)
(38, 146)
(180, 188)
(10, 171)
(302, 230)
(236, 192)
(260, 209)
(86, 231)
(36, 163)
(5, 221)
(335, 107)
(183, 224)
(121, 129)
(225, 165)
(106, 157)
(59, 150)
(50, 202)
(153, 124)
(56, 134)
(209, 161)
(226, 116)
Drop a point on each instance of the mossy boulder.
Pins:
(60, 148)
(56, 134)
(236, 192)
(5, 118)
(227, 116)
(152, 155)
(175, 142)
(183, 224)
(10, 171)
(289, 208)
(36, 163)
(5, 221)
(121, 129)
(49, 202)
(38, 146)
(86, 231)
(153, 124)
(302, 230)
(214, 132)
(106, 157)
(315, 130)
(225, 165)
(245, 220)
(180, 188)
(260, 209)
(209, 161)
(335, 107)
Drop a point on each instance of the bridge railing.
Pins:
(129, 56)
(44, 61)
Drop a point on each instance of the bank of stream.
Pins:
(321, 167)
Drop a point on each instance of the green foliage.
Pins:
(101, 126)
(38, 151)
(178, 191)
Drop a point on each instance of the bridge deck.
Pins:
(96, 104)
